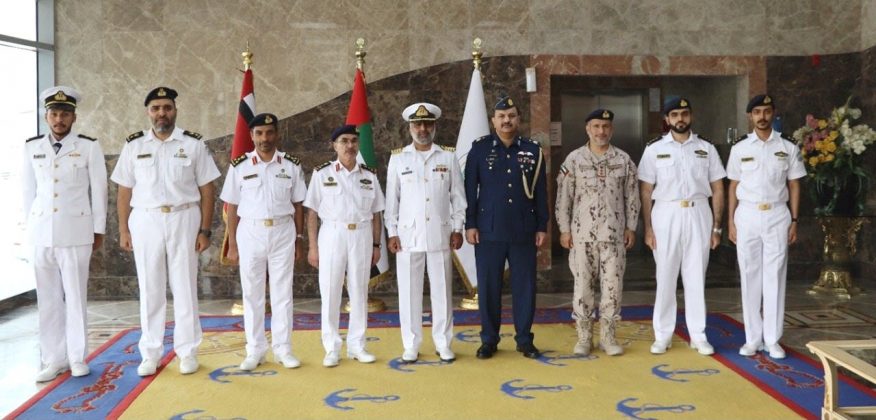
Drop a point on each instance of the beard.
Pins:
(61, 131)
(680, 128)
(423, 140)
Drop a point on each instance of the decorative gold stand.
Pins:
(840, 244)
(374, 305)
(470, 302)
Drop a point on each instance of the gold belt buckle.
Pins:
(764, 206)
(269, 222)
(351, 226)
(165, 209)
(685, 203)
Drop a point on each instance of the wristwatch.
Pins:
(377, 244)
(793, 220)
(717, 231)
(300, 236)
(206, 232)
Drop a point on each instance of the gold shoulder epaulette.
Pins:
(740, 138)
(135, 136)
(192, 134)
(448, 148)
(83, 136)
(322, 165)
(238, 160)
(37, 137)
(397, 151)
(292, 158)
(789, 138)
(654, 140)
(368, 168)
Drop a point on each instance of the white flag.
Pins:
(475, 124)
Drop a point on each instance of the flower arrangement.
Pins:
(833, 152)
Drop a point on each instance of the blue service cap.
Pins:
(760, 100)
(600, 114)
(263, 119)
(344, 129)
(160, 92)
(674, 103)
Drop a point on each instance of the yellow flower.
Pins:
(813, 161)
(833, 135)
(822, 124)
(830, 147)
(828, 158)
(819, 145)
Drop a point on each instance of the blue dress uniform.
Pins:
(507, 209)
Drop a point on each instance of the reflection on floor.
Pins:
(807, 318)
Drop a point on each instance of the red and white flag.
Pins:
(242, 143)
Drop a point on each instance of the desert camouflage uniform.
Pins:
(597, 199)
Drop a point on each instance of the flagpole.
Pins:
(237, 307)
(471, 301)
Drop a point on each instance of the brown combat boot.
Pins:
(607, 341)
(585, 338)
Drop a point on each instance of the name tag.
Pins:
(74, 154)
(250, 176)
(283, 175)
(618, 166)
(144, 156)
(781, 154)
(702, 154)
(748, 159)
(329, 184)
(365, 181)
(666, 156)
(42, 156)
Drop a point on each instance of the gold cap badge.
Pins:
(510, 102)
(767, 99)
(162, 92)
(268, 120)
(60, 96)
(422, 112)
(682, 103)
(606, 115)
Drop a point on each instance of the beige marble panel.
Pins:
(499, 15)
(868, 24)
(126, 15)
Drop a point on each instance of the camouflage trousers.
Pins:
(597, 262)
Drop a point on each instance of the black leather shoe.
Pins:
(529, 351)
(485, 351)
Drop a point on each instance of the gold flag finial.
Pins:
(360, 53)
(476, 53)
(247, 57)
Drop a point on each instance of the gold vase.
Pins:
(840, 240)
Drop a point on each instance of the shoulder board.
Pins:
(740, 138)
(368, 168)
(83, 136)
(397, 151)
(238, 160)
(705, 139)
(192, 134)
(482, 138)
(292, 158)
(448, 148)
(37, 137)
(322, 165)
(530, 140)
(654, 140)
(789, 138)
(135, 136)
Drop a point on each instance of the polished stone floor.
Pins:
(807, 318)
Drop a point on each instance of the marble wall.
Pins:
(114, 51)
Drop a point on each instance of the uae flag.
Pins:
(242, 143)
(359, 115)
(474, 125)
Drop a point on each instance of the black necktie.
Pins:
(57, 146)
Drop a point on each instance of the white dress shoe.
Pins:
(776, 351)
(582, 348)
(251, 362)
(331, 359)
(445, 354)
(147, 367)
(188, 365)
(410, 356)
(749, 350)
(361, 355)
(78, 369)
(702, 347)
(659, 347)
(50, 372)
(288, 361)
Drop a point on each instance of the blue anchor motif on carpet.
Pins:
(517, 391)
(558, 360)
(397, 364)
(634, 412)
(335, 399)
(198, 411)
(472, 336)
(221, 375)
(670, 374)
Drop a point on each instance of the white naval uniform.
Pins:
(165, 176)
(346, 202)
(62, 220)
(762, 220)
(264, 193)
(682, 222)
(425, 203)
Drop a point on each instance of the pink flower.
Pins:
(811, 121)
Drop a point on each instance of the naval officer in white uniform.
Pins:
(425, 214)
(65, 224)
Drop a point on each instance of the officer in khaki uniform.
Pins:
(425, 212)
(764, 168)
(265, 189)
(679, 172)
(165, 204)
(64, 225)
(597, 211)
(347, 198)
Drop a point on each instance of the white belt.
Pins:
(686, 203)
(169, 209)
(761, 206)
(281, 220)
(348, 226)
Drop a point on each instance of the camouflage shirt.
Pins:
(597, 196)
